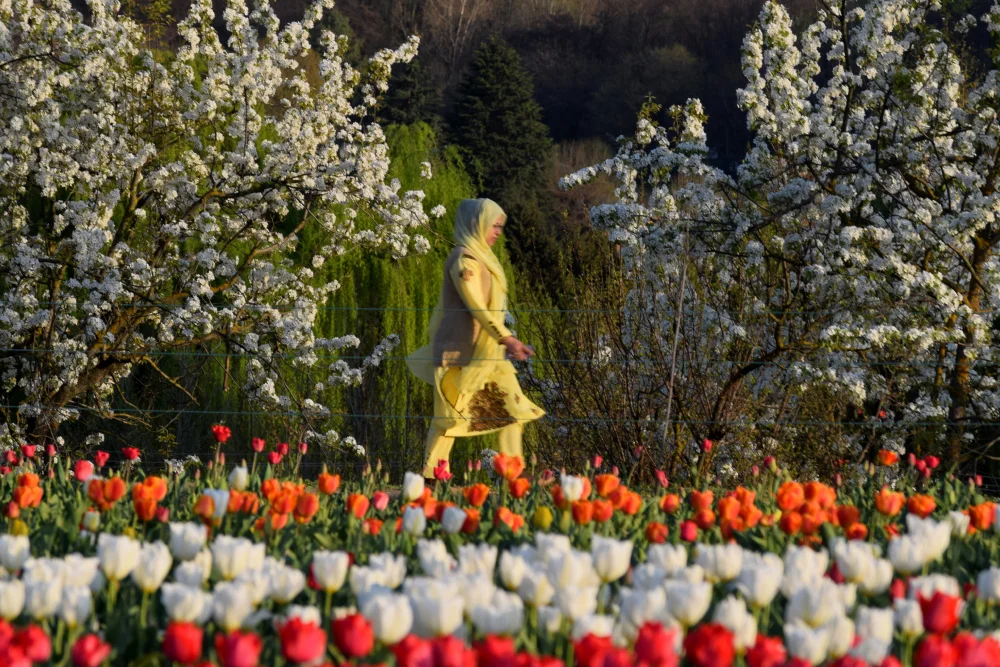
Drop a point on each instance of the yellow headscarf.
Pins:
(473, 220)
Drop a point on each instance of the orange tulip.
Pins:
(204, 507)
(235, 501)
(145, 508)
(508, 467)
(476, 494)
(619, 496)
(704, 519)
(157, 487)
(729, 508)
(847, 516)
(822, 494)
(889, 503)
(519, 487)
(512, 520)
(357, 504)
(105, 492)
(670, 502)
(887, 457)
(269, 488)
(921, 505)
(811, 523)
(981, 515)
(471, 524)
(327, 483)
(307, 507)
(790, 523)
(583, 511)
(558, 499)
(729, 527)
(701, 500)
(857, 531)
(603, 510)
(284, 502)
(790, 497)
(278, 521)
(28, 496)
(657, 533)
(632, 504)
(745, 496)
(372, 526)
(751, 516)
(605, 484)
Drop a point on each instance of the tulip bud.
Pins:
(598, 460)
(208, 465)
(13, 511)
(771, 463)
(479, 465)
(614, 470)
(197, 474)
(222, 459)
(838, 480)
(543, 518)
(534, 460)
(50, 450)
(52, 473)
(706, 445)
(979, 480)
(303, 448)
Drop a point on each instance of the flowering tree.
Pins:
(853, 249)
(152, 202)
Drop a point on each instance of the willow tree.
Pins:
(152, 202)
(853, 251)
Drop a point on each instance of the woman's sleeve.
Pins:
(465, 276)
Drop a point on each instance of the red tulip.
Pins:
(689, 531)
(353, 636)
(130, 453)
(274, 458)
(940, 612)
(50, 450)
(182, 642)
(282, 448)
(706, 445)
(654, 646)
(598, 460)
(450, 651)
(412, 651)
(257, 444)
(934, 651)
(100, 458)
(661, 477)
(221, 433)
(380, 499)
(82, 470)
(89, 651)
(709, 645)
(972, 652)
(11, 457)
(303, 448)
(238, 649)
(766, 652)
(35, 644)
(301, 641)
(28, 451)
(494, 651)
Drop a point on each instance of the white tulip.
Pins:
(220, 501)
(647, 576)
(611, 558)
(76, 605)
(577, 601)
(286, 583)
(42, 598)
(840, 630)
(152, 567)
(907, 554)
(512, 569)
(413, 486)
(855, 559)
(760, 578)
(640, 606)
(879, 578)
(187, 539)
(550, 619)
(365, 581)
(390, 615)
(437, 606)
(434, 558)
(255, 555)
(329, 569)
(91, 520)
(474, 588)
(692, 574)
(909, 617)
(258, 582)
(80, 571)
(872, 651)
(988, 584)
(934, 536)
(43, 569)
(806, 643)
(572, 487)
(230, 556)
(874, 623)
(592, 624)
(190, 573)
(687, 602)
(11, 599)
(959, 523)
(572, 569)
(535, 589)
(932, 583)
(803, 566)
(671, 558)
(15, 550)
(239, 479)
(118, 555)
(184, 603)
(305, 613)
(477, 559)
(502, 614)
(732, 613)
(231, 604)
(815, 605)
(548, 545)
(721, 562)
(414, 520)
(392, 567)
(453, 519)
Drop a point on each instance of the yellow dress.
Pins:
(475, 387)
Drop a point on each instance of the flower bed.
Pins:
(253, 565)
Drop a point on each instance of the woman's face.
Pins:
(496, 229)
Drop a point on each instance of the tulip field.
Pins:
(251, 564)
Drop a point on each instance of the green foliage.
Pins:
(412, 98)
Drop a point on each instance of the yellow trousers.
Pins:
(438, 446)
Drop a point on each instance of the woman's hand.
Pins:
(517, 350)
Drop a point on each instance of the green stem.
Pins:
(112, 595)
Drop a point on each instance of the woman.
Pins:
(466, 362)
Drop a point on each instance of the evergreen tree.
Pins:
(412, 97)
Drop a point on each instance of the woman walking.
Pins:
(467, 361)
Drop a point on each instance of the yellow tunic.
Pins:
(475, 387)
